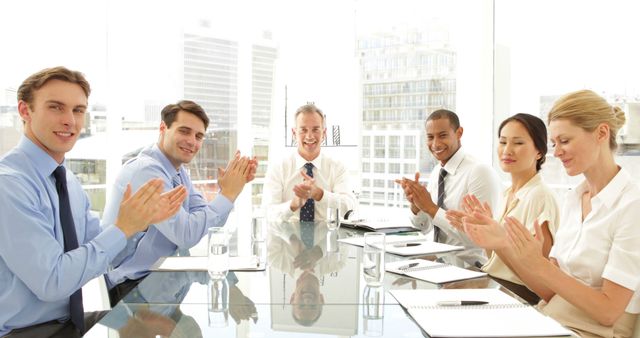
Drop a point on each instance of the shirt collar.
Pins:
(155, 152)
(300, 161)
(613, 190)
(533, 181)
(44, 164)
(454, 162)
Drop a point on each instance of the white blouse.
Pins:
(533, 201)
(607, 243)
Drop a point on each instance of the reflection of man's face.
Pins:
(306, 299)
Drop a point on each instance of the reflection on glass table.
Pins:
(313, 286)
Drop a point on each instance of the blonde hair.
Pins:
(587, 110)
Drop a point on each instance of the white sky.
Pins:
(555, 46)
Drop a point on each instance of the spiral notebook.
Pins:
(503, 316)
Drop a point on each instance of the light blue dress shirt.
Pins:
(182, 231)
(36, 276)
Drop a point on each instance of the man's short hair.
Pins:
(309, 108)
(170, 112)
(39, 79)
(443, 113)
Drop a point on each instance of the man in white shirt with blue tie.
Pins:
(305, 183)
(182, 131)
(456, 175)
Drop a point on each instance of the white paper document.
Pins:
(432, 272)
(503, 316)
(408, 245)
(199, 263)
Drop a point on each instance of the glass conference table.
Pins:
(312, 286)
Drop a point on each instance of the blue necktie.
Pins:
(306, 233)
(307, 212)
(176, 180)
(441, 196)
(70, 242)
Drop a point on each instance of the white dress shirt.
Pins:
(606, 244)
(329, 174)
(533, 201)
(465, 175)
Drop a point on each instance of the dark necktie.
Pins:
(70, 242)
(176, 180)
(307, 233)
(308, 209)
(441, 196)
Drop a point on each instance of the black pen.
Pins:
(461, 302)
(408, 266)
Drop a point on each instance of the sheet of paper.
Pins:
(433, 272)
(504, 316)
(198, 263)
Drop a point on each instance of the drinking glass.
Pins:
(373, 311)
(218, 302)
(333, 215)
(218, 253)
(373, 258)
(332, 240)
(258, 230)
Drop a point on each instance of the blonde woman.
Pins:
(590, 281)
(521, 150)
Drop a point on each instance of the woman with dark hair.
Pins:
(521, 151)
(590, 281)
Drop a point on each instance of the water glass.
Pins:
(218, 302)
(333, 215)
(258, 235)
(218, 253)
(373, 258)
(373, 311)
(332, 240)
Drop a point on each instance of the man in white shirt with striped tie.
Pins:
(456, 175)
(303, 185)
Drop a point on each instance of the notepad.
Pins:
(402, 245)
(432, 272)
(199, 263)
(503, 316)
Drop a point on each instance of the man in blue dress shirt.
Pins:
(50, 243)
(182, 131)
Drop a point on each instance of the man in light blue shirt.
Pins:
(50, 243)
(182, 132)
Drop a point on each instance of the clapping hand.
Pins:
(470, 204)
(524, 246)
(485, 231)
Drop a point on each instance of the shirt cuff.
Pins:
(223, 204)
(440, 220)
(110, 241)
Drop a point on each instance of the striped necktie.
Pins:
(441, 197)
(176, 180)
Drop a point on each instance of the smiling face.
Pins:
(442, 140)
(182, 140)
(516, 150)
(309, 132)
(306, 299)
(577, 148)
(55, 118)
